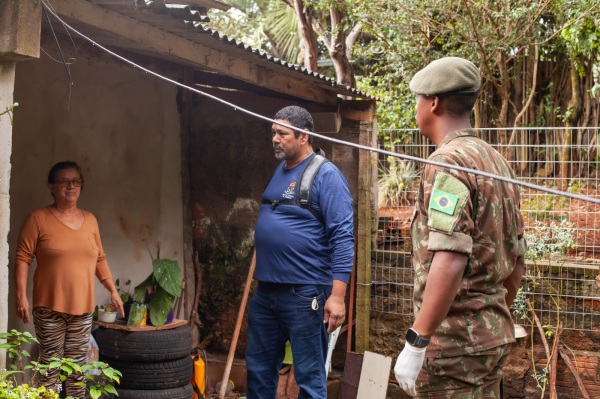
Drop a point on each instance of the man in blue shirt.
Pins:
(303, 265)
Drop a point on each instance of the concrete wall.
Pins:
(122, 127)
(7, 76)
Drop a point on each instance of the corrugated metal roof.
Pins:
(186, 22)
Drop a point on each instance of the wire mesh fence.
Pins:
(562, 281)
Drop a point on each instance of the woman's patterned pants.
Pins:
(62, 335)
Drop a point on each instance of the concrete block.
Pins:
(20, 29)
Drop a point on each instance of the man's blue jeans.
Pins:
(282, 312)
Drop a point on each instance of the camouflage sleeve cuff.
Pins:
(522, 248)
(455, 242)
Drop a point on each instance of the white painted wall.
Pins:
(7, 76)
(122, 127)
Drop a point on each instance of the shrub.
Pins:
(395, 182)
(13, 386)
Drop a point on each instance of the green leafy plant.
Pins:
(395, 182)
(520, 306)
(9, 111)
(124, 292)
(108, 308)
(160, 289)
(12, 381)
(548, 243)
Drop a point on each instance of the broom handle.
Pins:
(238, 326)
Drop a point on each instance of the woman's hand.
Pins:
(117, 302)
(23, 309)
(115, 298)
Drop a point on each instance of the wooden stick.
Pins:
(179, 300)
(542, 335)
(198, 273)
(553, 362)
(238, 326)
(569, 364)
(539, 327)
(351, 302)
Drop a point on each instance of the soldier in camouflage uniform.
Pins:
(468, 247)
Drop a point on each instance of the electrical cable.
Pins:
(331, 139)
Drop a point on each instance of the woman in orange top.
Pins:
(65, 240)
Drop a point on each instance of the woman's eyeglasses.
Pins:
(66, 182)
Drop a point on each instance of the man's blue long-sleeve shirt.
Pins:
(292, 245)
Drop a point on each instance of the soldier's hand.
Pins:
(407, 367)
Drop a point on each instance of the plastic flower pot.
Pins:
(106, 317)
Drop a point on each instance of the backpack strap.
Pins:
(303, 197)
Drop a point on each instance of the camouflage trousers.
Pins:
(473, 376)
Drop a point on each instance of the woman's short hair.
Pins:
(53, 173)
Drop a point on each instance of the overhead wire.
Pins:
(327, 138)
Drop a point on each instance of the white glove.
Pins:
(407, 367)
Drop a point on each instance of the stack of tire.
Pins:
(155, 364)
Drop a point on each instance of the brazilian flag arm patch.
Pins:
(443, 201)
(448, 197)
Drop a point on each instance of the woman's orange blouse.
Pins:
(67, 261)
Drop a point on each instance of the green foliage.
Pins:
(10, 388)
(124, 293)
(520, 309)
(550, 241)
(108, 308)
(269, 25)
(394, 182)
(160, 289)
(9, 111)
(542, 378)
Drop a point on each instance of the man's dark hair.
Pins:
(458, 104)
(62, 166)
(297, 117)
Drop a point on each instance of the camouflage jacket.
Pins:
(480, 217)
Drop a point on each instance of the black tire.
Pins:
(145, 346)
(185, 392)
(156, 375)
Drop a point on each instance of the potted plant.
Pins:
(107, 313)
(160, 290)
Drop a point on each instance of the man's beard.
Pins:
(280, 156)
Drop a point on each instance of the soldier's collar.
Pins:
(456, 134)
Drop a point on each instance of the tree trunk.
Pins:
(308, 43)
(574, 111)
(338, 51)
(504, 94)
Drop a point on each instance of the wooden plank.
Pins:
(351, 376)
(122, 325)
(355, 115)
(374, 376)
(189, 269)
(173, 47)
(364, 215)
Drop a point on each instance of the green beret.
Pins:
(446, 75)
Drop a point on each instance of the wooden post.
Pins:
(189, 268)
(363, 256)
